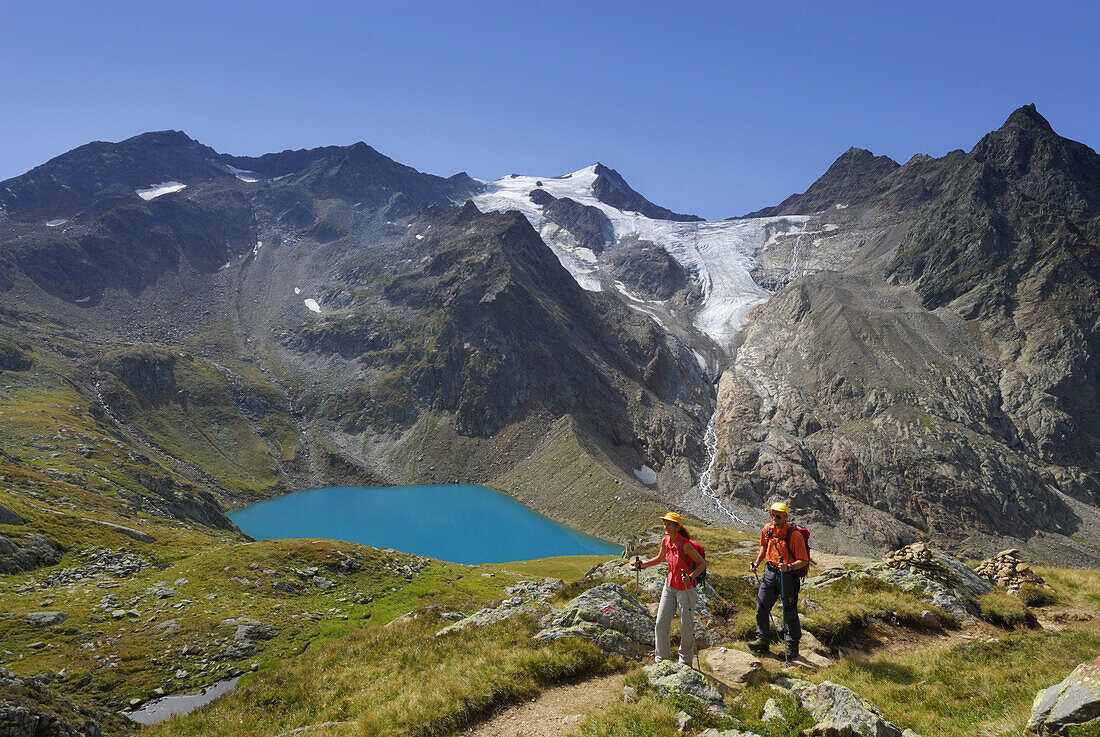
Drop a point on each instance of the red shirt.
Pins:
(677, 565)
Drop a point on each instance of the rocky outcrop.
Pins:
(851, 178)
(839, 711)
(246, 638)
(650, 272)
(610, 188)
(1074, 701)
(953, 587)
(607, 616)
(8, 517)
(925, 560)
(30, 708)
(670, 679)
(588, 225)
(46, 619)
(27, 552)
(526, 598)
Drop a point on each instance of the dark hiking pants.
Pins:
(765, 600)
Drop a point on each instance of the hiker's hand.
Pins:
(753, 566)
(784, 566)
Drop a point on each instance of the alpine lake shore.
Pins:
(334, 638)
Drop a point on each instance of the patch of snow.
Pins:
(297, 290)
(280, 178)
(841, 207)
(702, 361)
(156, 190)
(646, 475)
(257, 247)
(720, 253)
(625, 291)
(84, 299)
(243, 175)
(55, 223)
(224, 266)
(312, 305)
(419, 237)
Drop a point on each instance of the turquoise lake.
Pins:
(462, 523)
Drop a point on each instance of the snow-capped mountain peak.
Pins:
(599, 244)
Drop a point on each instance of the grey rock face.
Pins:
(168, 627)
(840, 712)
(541, 590)
(510, 609)
(29, 708)
(669, 678)
(46, 619)
(587, 224)
(20, 553)
(609, 617)
(8, 517)
(1076, 700)
(249, 632)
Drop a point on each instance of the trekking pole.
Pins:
(637, 571)
(783, 613)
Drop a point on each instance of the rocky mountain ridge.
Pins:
(941, 380)
(902, 351)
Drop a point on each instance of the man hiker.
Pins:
(785, 550)
(685, 565)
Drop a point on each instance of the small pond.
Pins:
(461, 523)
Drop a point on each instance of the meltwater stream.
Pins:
(704, 487)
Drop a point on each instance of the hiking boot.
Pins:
(759, 645)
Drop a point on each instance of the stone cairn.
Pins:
(917, 558)
(1008, 569)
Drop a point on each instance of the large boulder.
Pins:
(1076, 700)
(734, 668)
(669, 679)
(21, 553)
(511, 608)
(609, 617)
(46, 619)
(8, 517)
(246, 638)
(839, 711)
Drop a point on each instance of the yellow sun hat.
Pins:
(673, 517)
(779, 507)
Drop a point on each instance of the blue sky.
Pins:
(715, 108)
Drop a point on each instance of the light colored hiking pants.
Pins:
(671, 600)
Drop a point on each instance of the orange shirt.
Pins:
(776, 550)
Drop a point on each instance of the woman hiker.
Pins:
(685, 564)
(785, 550)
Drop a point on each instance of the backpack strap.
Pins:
(770, 533)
